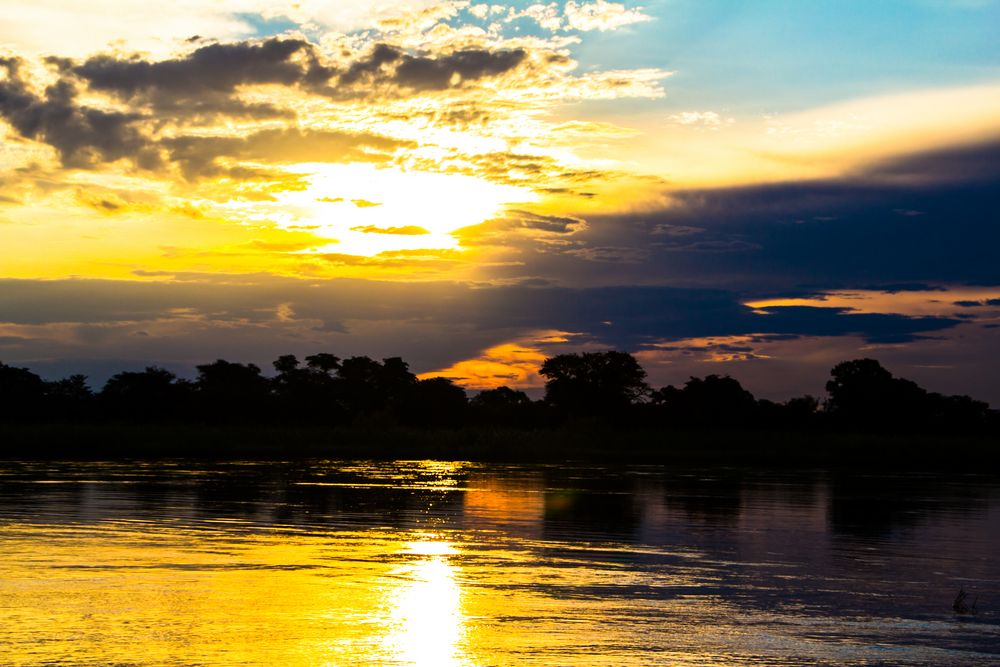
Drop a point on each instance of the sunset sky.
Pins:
(759, 189)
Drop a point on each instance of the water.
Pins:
(438, 564)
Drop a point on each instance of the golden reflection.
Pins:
(514, 504)
(428, 623)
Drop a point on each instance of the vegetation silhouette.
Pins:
(591, 392)
(594, 383)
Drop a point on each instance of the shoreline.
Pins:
(598, 445)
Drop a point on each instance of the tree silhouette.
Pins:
(500, 398)
(434, 402)
(308, 394)
(21, 393)
(608, 386)
(323, 363)
(716, 400)
(367, 386)
(593, 383)
(228, 390)
(502, 406)
(70, 398)
(864, 393)
(154, 393)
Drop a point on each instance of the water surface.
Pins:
(437, 564)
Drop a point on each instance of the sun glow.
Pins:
(427, 612)
(366, 210)
(509, 364)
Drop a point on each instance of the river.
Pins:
(443, 564)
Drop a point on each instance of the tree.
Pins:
(230, 390)
(502, 406)
(863, 393)
(21, 393)
(714, 400)
(593, 382)
(367, 386)
(70, 398)
(800, 410)
(154, 393)
(307, 393)
(323, 362)
(857, 387)
(434, 402)
(500, 398)
(286, 364)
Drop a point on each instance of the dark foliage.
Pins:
(149, 395)
(599, 388)
(715, 400)
(863, 393)
(593, 383)
(21, 393)
(505, 407)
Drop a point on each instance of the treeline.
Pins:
(604, 388)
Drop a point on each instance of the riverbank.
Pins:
(129, 441)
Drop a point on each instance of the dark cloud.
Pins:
(553, 224)
(97, 327)
(814, 235)
(629, 317)
(204, 81)
(427, 73)
(367, 68)
(204, 85)
(82, 135)
(497, 231)
(954, 164)
(214, 68)
(974, 304)
(873, 327)
(389, 64)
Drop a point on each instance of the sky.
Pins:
(755, 189)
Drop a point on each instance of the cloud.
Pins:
(601, 15)
(706, 120)
(205, 80)
(421, 73)
(69, 27)
(525, 224)
(577, 16)
(265, 100)
(82, 135)
(408, 230)
(215, 68)
(388, 64)
(966, 303)
(626, 316)
(546, 16)
(198, 155)
(210, 83)
(821, 234)
(63, 326)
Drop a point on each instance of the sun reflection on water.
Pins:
(428, 623)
